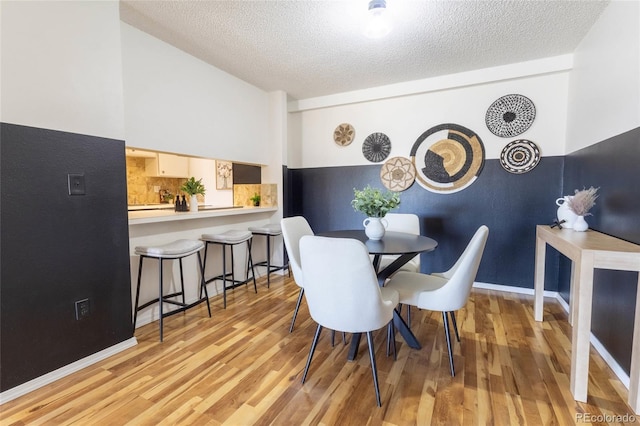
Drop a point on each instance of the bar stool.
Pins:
(229, 239)
(175, 250)
(270, 231)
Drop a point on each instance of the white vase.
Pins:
(580, 224)
(564, 212)
(193, 204)
(374, 227)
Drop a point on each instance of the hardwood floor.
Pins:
(242, 366)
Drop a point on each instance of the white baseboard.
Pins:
(599, 347)
(61, 372)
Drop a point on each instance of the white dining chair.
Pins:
(410, 224)
(293, 229)
(342, 292)
(447, 291)
(402, 222)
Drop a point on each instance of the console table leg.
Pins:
(581, 333)
(538, 285)
(634, 374)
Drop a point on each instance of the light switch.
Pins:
(76, 184)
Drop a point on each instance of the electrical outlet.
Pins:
(76, 184)
(82, 309)
(156, 188)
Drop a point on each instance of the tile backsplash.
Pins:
(268, 194)
(140, 187)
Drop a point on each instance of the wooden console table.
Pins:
(588, 251)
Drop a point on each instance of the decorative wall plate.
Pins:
(376, 147)
(510, 115)
(447, 158)
(398, 174)
(520, 156)
(343, 134)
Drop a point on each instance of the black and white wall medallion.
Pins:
(447, 158)
(520, 156)
(376, 147)
(510, 115)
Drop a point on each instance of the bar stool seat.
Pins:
(269, 231)
(229, 239)
(178, 249)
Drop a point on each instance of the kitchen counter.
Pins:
(167, 215)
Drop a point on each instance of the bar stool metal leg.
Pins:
(172, 251)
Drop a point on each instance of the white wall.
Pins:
(61, 66)
(604, 90)
(404, 118)
(177, 103)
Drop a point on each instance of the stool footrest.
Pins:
(272, 268)
(235, 283)
(183, 306)
(164, 299)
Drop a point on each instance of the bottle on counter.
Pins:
(176, 207)
(183, 204)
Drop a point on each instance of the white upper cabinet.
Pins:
(167, 165)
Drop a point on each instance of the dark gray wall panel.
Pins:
(613, 166)
(57, 249)
(246, 174)
(510, 205)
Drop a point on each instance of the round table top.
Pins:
(391, 243)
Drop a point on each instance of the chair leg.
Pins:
(391, 340)
(448, 337)
(295, 313)
(333, 338)
(344, 337)
(455, 325)
(268, 260)
(182, 281)
(160, 298)
(253, 271)
(374, 369)
(409, 316)
(313, 348)
(203, 284)
(224, 274)
(135, 311)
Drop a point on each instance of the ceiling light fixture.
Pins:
(377, 24)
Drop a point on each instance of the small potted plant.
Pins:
(193, 187)
(255, 200)
(580, 204)
(375, 204)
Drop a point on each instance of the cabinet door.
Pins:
(167, 165)
(173, 165)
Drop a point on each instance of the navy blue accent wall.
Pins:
(612, 165)
(57, 249)
(510, 205)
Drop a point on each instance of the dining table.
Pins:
(406, 247)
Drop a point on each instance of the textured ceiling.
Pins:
(315, 48)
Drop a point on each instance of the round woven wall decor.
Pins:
(520, 156)
(447, 158)
(397, 174)
(376, 147)
(510, 115)
(343, 134)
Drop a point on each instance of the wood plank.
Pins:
(242, 366)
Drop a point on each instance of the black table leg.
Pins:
(405, 331)
(399, 324)
(353, 350)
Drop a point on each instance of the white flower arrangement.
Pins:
(583, 201)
